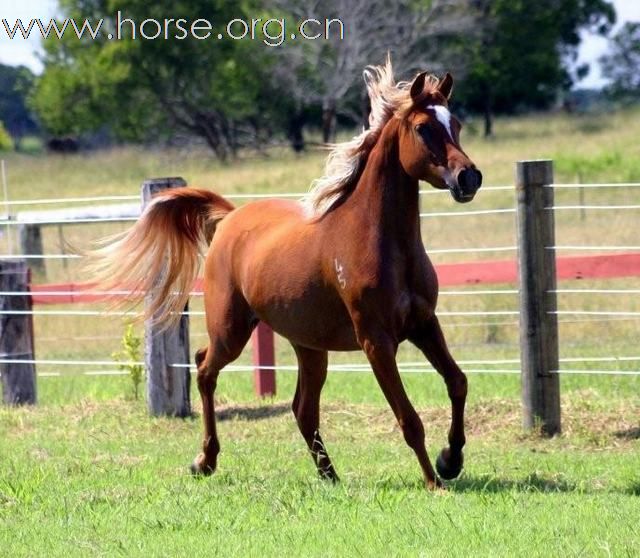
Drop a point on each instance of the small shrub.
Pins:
(130, 356)
(6, 143)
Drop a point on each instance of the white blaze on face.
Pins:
(444, 117)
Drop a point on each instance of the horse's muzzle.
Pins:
(467, 184)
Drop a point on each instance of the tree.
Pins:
(520, 54)
(622, 64)
(328, 72)
(15, 85)
(142, 87)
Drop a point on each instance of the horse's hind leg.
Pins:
(229, 328)
(312, 373)
(430, 340)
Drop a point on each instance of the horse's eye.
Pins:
(426, 133)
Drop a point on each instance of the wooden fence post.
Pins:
(538, 300)
(31, 243)
(264, 361)
(16, 335)
(167, 385)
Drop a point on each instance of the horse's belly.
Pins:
(327, 337)
(317, 319)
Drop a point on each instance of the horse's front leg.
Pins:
(381, 353)
(430, 340)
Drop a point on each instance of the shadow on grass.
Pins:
(629, 433)
(246, 412)
(634, 488)
(531, 483)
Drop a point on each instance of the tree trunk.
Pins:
(17, 142)
(233, 139)
(365, 108)
(329, 120)
(488, 121)
(488, 116)
(295, 130)
(227, 135)
(210, 133)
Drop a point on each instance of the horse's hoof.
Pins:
(200, 469)
(329, 475)
(447, 465)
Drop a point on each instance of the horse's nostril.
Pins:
(470, 179)
(479, 177)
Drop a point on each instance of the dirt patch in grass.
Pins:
(586, 422)
(499, 420)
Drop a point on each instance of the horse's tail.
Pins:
(160, 253)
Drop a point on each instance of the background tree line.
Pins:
(507, 56)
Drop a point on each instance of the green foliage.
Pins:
(130, 356)
(6, 143)
(237, 92)
(625, 167)
(15, 86)
(519, 57)
(622, 65)
(580, 165)
(141, 88)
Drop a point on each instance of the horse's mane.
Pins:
(346, 160)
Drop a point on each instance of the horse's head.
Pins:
(430, 141)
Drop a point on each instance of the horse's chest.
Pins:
(400, 288)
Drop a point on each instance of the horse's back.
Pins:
(269, 212)
(263, 228)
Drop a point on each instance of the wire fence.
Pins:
(297, 195)
(250, 196)
(403, 367)
(478, 366)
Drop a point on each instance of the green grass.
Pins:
(89, 473)
(102, 478)
(605, 144)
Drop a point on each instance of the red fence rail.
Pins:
(604, 266)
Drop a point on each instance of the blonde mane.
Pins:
(346, 160)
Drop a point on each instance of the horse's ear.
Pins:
(417, 87)
(445, 85)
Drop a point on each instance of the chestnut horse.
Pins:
(345, 269)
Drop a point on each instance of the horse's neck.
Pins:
(386, 197)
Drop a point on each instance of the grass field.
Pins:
(88, 473)
(97, 476)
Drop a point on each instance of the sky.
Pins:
(19, 51)
(594, 46)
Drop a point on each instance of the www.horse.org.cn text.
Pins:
(271, 31)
